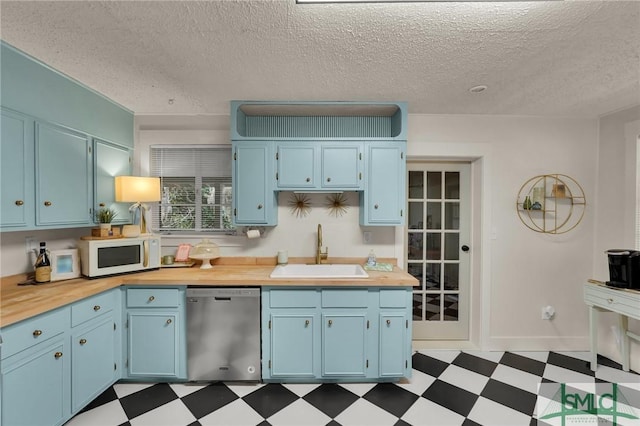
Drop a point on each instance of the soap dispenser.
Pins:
(371, 260)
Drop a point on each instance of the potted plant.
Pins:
(104, 216)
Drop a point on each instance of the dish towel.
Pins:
(385, 267)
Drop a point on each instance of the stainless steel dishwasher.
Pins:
(223, 329)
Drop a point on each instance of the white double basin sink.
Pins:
(322, 271)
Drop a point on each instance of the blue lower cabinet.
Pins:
(292, 346)
(392, 349)
(33, 388)
(333, 335)
(344, 343)
(94, 365)
(153, 344)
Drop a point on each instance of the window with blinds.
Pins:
(195, 181)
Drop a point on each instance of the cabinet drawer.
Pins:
(620, 301)
(393, 298)
(25, 334)
(345, 298)
(293, 299)
(92, 307)
(153, 297)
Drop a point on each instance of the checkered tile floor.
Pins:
(447, 388)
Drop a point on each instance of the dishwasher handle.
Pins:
(222, 299)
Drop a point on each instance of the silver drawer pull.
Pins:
(169, 321)
(37, 333)
(151, 298)
(83, 341)
(96, 308)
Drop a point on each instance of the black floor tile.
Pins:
(401, 423)
(333, 423)
(468, 422)
(451, 397)
(208, 399)
(264, 423)
(428, 365)
(270, 399)
(392, 398)
(331, 399)
(106, 396)
(147, 399)
(511, 396)
(125, 424)
(196, 423)
(570, 363)
(523, 363)
(474, 363)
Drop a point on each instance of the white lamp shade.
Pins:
(137, 189)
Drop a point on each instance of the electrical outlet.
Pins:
(31, 244)
(367, 237)
(548, 312)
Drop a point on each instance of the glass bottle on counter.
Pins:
(43, 265)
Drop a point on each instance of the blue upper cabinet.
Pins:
(33, 88)
(330, 147)
(110, 160)
(49, 123)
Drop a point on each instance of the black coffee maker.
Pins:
(624, 268)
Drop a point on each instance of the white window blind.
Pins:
(195, 181)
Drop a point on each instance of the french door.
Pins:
(438, 248)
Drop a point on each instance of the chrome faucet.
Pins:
(320, 255)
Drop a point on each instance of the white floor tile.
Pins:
(418, 383)
(107, 414)
(300, 389)
(124, 389)
(184, 390)
(236, 413)
(487, 412)
(464, 379)
(562, 375)
(243, 389)
(358, 388)
(427, 413)
(518, 378)
(489, 356)
(541, 356)
(446, 356)
(300, 413)
(364, 413)
(174, 413)
(613, 375)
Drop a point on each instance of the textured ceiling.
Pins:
(573, 58)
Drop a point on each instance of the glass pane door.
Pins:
(438, 235)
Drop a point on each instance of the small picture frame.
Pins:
(65, 264)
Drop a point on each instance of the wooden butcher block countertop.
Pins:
(18, 303)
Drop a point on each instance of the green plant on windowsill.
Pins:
(106, 215)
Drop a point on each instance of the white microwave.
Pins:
(119, 255)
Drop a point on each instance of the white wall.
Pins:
(615, 208)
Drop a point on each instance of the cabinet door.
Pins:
(296, 165)
(392, 357)
(16, 171)
(110, 161)
(93, 363)
(64, 177)
(33, 391)
(292, 348)
(254, 201)
(153, 344)
(383, 200)
(341, 166)
(343, 344)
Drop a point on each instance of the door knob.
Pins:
(465, 248)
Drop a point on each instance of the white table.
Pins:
(624, 302)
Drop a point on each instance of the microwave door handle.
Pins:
(145, 253)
